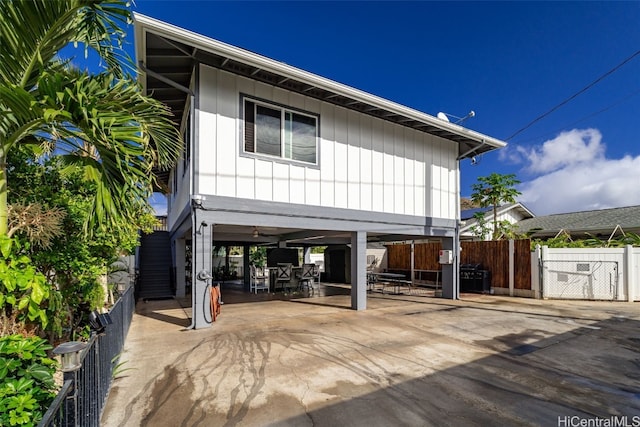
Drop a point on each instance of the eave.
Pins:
(167, 53)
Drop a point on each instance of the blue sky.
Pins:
(510, 62)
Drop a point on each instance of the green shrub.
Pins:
(27, 387)
(24, 292)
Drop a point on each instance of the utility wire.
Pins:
(610, 106)
(589, 86)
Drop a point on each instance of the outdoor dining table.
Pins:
(396, 280)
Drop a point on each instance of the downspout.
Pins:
(456, 240)
(192, 129)
(193, 210)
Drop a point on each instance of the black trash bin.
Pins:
(474, 279)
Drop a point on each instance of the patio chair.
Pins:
(307, 277)
(283, 276)
(258, 280)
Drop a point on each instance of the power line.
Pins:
(595, 113)
(589, 86)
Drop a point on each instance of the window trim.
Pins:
(283, 110)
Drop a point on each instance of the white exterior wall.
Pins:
(510, 215)
(364, 163)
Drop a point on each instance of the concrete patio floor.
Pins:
(406, 360)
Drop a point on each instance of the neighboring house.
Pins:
(513, 213)
(277, 155)
(603, 224)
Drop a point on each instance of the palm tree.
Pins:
(100, 122)
(493, 190)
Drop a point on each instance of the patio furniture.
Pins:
(392, 280)
(258, 280)
(307, 277)
(283, 276)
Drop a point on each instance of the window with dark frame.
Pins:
(280, 132)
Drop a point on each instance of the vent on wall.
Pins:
(583, 267)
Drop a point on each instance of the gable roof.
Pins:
(168, 56)
(468, 214)
(596, 222)
(468, 221)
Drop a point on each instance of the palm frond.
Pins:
(114, 133)
(33, 32)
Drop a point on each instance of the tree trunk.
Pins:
(495, 222)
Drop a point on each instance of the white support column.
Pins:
(535, 272)
(359, 270)
(512, 277)
(307, 255)
(246, 269)
(180, 263)
(544, 254)
(629, 271)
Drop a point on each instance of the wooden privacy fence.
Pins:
(491, 255)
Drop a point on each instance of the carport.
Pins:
(236, 223)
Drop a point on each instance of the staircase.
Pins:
(154, 281)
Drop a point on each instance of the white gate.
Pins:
(585, 280)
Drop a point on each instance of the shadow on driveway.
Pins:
(404, 361)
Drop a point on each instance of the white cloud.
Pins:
(569, 148)
(575, 175)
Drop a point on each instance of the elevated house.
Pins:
(277, 155)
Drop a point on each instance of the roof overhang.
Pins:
(168, 56)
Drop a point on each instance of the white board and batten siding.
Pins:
(364, 163)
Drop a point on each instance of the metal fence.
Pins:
(82, 397)
(585, 280)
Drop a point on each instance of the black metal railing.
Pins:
(162, 224)
(81, 399)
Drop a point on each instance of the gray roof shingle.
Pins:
(597, 221)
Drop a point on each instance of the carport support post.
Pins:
(246, 269)
(450, 286)
(180, 263)
(359, 270)
(202, 248)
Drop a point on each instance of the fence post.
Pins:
(413, 261)
(535, 272)
(628, 272)
(512, 272)
(71, 361)
(544, 255)
(71, 403)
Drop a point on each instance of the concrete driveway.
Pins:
(406, 360)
